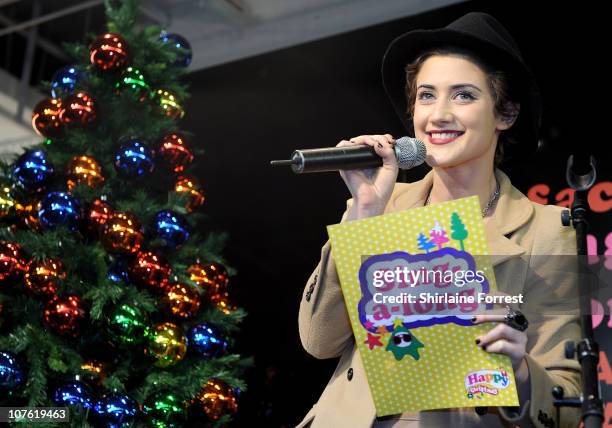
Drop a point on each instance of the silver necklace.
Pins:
(486, 209)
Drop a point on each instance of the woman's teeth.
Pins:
(445, 136)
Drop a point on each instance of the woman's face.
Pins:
(454, 112)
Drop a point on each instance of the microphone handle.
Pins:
(334, 159)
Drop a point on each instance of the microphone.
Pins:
(410, 152)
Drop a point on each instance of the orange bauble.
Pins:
(84, 169)
(122, 233)
(27, 215)
(216, 399)
(211, 277)
(43, 276)
(93, 372)
(189, 186)
(181, 300)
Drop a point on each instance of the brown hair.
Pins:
(499, 83)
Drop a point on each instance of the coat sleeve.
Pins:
(551, 306)
(323, 321)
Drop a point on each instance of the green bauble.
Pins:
(127, 325)
(7, 202)
(165, 410)
(132, 80)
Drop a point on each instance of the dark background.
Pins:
(246, 113)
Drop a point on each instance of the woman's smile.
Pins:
(443, 137)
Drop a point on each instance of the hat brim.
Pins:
(407, 47)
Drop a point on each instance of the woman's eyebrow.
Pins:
(457, 86)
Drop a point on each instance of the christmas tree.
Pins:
(458, 230)
(114, 299)
(425, 244)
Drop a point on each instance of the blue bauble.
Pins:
(116, 410)
(180, 46)
(59, 209)
(206, 340)
(172, 228)
(65, 80)
(73, 394)
(11, 374)
(134, 159)
(117, 272)
(32, 170)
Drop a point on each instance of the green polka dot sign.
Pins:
(412, 281)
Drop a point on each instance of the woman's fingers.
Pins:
(372, 187)
(497, 313)
(501, 332)
(479, 319)
(384, 149)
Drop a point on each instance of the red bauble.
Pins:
(12, 260)
(46, 118)
(216, 399)
(149, 270)
(43, 276)
(174, 150)
(181, 300)
(64, 315)
(189, 186)
(122, 233)
(110, 52)
(97, 216)
(78, 109)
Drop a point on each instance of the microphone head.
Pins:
(410, 152)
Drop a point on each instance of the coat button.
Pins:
(349, 374)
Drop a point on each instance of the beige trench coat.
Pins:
(518, 230)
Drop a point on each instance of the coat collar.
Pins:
(513, 210)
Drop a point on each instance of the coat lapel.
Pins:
(513, 210)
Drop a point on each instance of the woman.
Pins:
(467, 94)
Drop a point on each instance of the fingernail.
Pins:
(473, 319)
(380, 145)
(477, 341)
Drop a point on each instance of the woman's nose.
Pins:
(441, 112)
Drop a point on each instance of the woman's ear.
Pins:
(507, 120)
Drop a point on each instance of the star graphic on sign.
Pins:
(372, 341)
(382, 330)
(368, 325)
(398, 323)
(437, 227)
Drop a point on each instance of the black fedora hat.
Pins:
(482, 34)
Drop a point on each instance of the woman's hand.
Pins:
(371, 188)
(502, 339)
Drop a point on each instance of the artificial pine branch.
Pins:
(52, 359)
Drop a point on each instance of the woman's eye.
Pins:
(424, 96)
(465, 96)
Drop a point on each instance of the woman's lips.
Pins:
(440, 141)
